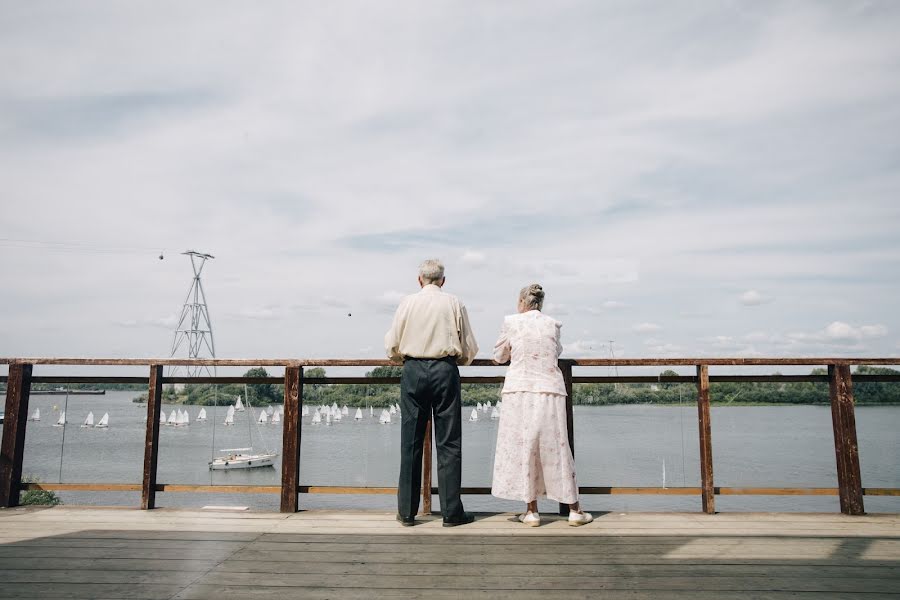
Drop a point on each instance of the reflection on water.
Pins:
(617, 445)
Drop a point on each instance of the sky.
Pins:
(684, 178)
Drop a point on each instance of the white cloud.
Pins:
(473, 259)
(841, 333)
(754, 298)
(645, 327)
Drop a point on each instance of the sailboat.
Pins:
(201, 416)
(358, 415)
(371, 411)
(36, 415)
(235, 459)
(487, 406)
(337, 416)
(479, 406)
(183, 419)
(104, 422)
(317, 417)
(474, 415)
(238, 405)
(385, 417)
(269, 410)
(62, 420)
(229, 416)
(173, 418)
(263, 418)
(495, 414)
(162, 417)
(276, 418)
(328, 417)
(345, 411)
(89, 420)
(393, 410)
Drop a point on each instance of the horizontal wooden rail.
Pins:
(375, 362)
(483, 491)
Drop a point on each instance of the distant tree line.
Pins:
(591, 394)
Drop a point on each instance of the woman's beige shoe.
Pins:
(531, 519)
(579, 518)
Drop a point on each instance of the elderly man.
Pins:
(431, 335)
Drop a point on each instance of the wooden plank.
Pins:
(147, 591)
(12, 447)
(84, 487)
(337, 489)
(881, 491)
(426, 471)
(706, 457)
(218, 489)
(151, 439)
(845, 444)
(290, 445)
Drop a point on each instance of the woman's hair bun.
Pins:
(536, 290)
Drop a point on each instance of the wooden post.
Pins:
(290, 443)
(846, 449)
(706, 458)
(566, 367)
(426, 470)
(151, 439)
(12, 448)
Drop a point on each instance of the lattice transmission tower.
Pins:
(194, 328)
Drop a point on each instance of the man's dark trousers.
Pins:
(426, 386)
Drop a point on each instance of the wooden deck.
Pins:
(69, 552)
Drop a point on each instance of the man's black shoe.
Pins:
(463, 519)
(406, 521)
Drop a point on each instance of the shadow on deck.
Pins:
(68, 552)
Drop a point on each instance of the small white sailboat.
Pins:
(276, 418)
(334, 409)
(62, 420)
(474, 415)
(104, 422)
(36, 415)
(263, 418)
(183, 419)
(358, 415)
(393, 410)
(495, 414)
(89, 420)
(479, 407)
(229, 416)
(328, 417)
(201, 416)
(236, 459)
(371, 411)
(162, 417)
(317, 417)
(337, 416)
(173, 418)
(238, 405)
(385, 417)
(270, 410)
(345, 411)
(487, 406)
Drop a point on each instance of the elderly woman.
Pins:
(533, 457)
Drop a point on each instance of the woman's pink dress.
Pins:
(533, 457)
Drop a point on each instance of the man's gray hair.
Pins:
(532, 296)
(431, 271)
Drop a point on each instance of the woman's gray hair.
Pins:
(532, 296)
(431, 271)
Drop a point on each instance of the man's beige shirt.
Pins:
(431, 324)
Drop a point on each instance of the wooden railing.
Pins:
(20, 378)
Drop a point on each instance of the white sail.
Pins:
(104, 421)
(201, 416)
(184, 419)
(238, 405)
(328, 417)
(269, 410)
(173, 418)
(393, 410)
(358, 415)
(495, 414)
(474, 415)
(162, 417)
(89, 420)
(337, 416)
(345, 411)
(317, 417)
(371, 411)
(36, 415)
(229, 416)
(276, 418)
(263, 418)
(62, 419)
(479, 406)
(385, 417)
(487, 405)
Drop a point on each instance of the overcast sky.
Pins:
(684, 178)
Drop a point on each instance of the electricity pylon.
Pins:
(194, 327)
